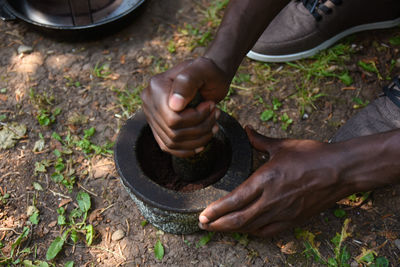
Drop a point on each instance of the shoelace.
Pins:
(314, 5)
(393, 91)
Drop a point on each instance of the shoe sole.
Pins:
(324, 45)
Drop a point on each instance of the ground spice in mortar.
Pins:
(157, 165)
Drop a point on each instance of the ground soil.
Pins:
(135, 53)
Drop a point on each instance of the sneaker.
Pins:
(305, 27)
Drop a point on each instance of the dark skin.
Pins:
(302, 178)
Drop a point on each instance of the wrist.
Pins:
(369, 162)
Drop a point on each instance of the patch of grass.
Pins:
(128, 100)
(74, 227)
(306, 97)
(46, 114)
(16, 254)
(369, 65)
(327, 63)
(341, 254)
(101, 71)
(359, 103)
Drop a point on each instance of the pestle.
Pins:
(199, 166)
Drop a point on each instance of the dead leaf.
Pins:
(95, 215)
(3, 98)
(64, 202)
(10, 134)
(289, 248)
(52, 224)
(122, 59)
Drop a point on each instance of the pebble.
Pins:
(397, 243)
(24, 49)
(118, 235)
(354, 264)
(398, 63)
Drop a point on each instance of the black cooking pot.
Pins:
(67, 14)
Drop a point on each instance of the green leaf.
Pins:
(381, 262)
(69, 264)
(56, 136)
(74, 236)
(159, 250)
(339, 213)
(89, 133)
(395, 40)
(241, 238)
(18, 241)
(28, 263)
(57, 111)
(205, 239)
(332, 262)
(83, 200)
(267, 115)
(276, 104)
(368, 258)
(55, 248)
(346, 79)
(59, 167)
(37, 186)
(34, 218)
(344, 255)
(75, 213)
(61, 220)
(89, 234)
(57, 153)
(61, 210)
(57, 177)
(144, 223)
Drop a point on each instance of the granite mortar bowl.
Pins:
(169, 210)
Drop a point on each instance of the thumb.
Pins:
(184, 88)
(263, 143)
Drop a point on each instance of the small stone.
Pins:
(398, 63)
(354, 264)
(397, 243)
(25, 49)
(118, 235)
(305, 116)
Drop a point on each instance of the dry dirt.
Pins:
(133, 54)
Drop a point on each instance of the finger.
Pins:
(236, 200)
(263, 143)
(198, 134)
(175, 152)
(234, 221)
(272, 229)
(184, 87)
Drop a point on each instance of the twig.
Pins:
(10, 229)
(112, 252)
(59, 194)
(127, 226)
(93, 194)
(106, 209)
(243, 88)
(7, 174)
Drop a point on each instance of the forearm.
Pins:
(244, 21)
(371, 161)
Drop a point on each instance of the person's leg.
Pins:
(382, 115)
(304, 27)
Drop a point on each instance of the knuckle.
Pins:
(237, 221)
(171, 120)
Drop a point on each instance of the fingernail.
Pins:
(215, 129)
(217, 114)
(201, 226)
(203, 219)
(199, 149)
(176, 102)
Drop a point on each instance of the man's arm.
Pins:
(302, 178)
(183, 132)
